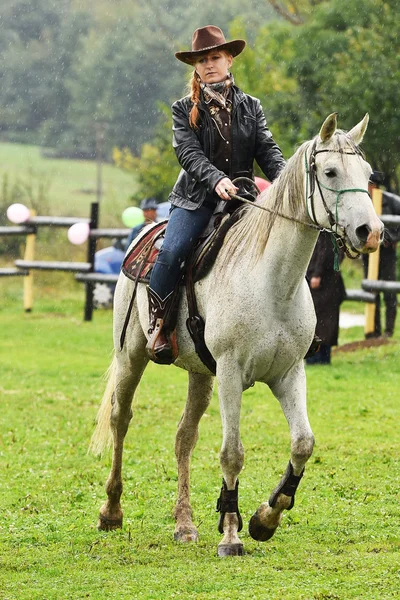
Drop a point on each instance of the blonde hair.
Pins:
(194, 91)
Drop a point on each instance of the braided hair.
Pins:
(194, 91)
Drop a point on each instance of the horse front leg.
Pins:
(231, 458)
(128, 373)
(199, 395)
(291, 393)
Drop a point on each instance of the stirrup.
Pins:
(162, 348)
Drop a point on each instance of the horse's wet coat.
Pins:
(260, 322)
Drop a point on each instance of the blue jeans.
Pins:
(183, 230)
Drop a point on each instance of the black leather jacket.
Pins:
(251, 140)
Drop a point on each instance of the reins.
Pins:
(269, 210)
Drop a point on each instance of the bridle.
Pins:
(312, 182)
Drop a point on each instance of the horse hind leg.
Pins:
(126, 373)
(199, 395)
(267, 518)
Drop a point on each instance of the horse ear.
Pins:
(357, 133)
(328, 128)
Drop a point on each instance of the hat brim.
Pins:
(235, 47)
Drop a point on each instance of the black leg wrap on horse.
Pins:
(287, 485)
(228, 503)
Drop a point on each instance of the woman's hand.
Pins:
(223, 186)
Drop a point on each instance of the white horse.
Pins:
(260, 322)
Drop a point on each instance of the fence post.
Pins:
(29, 254)
(94, 221)
(373, 269)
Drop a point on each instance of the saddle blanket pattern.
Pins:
(139, 261)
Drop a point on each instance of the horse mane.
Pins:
(251, 232)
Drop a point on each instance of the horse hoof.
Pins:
(187, 534)
(257, 530)
(230, 550)
(107, 524)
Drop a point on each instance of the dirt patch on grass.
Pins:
(362, 344)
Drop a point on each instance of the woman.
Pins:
(218, 133)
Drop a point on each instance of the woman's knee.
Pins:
(169, 257)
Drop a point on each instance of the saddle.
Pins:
(140, 260)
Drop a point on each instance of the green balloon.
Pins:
(132, 216)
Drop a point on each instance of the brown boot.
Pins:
(161, 347)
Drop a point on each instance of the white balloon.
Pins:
(18, 213)
(78, 233)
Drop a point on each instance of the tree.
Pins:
(342, 60)
(156, 169)
(352, 67)
(39, 40)
(296, 12)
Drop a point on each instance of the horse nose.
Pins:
(363, 232)
(369, 238)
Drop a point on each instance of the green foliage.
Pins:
(296, 12)
(156, 168)
(69, 65)
(118, 83)
(351, 68)
(341, 60)
(340, 541)
(263, 72)
(42, 40)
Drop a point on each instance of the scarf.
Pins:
(217, 91)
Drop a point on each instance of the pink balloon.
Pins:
(18, 213)
(78, 233)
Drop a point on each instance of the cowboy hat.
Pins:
(209, 38)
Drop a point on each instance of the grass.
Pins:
(71, 183)
(339, 542)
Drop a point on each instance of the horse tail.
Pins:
(101, 438)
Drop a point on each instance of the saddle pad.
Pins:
(140, 259)
(138, 263)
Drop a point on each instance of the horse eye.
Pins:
(330, 173)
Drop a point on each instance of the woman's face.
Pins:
(214, 66)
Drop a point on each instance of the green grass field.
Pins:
(70, 184)
(340, 541)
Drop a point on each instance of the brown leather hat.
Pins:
(209, 38)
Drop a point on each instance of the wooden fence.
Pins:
(84, 271)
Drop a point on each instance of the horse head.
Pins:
(337, 186)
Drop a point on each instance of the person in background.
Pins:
(387, 260)
(218, 133)
(328, 292)
(149, 208)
